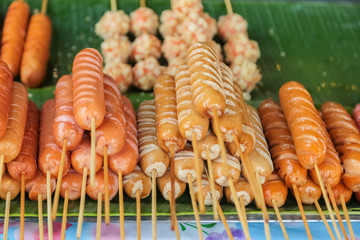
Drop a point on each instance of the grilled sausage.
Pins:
(219, 170)
(206, 191)
(37, 186)
(137, 181)
(275, 189)
(10, 143)
(93, 190)
(126, 160)
(339, 190)
(8, 184)
(26, 161)
(164, 186)
(71, 182)
(49, 152)
(88, 88)
(65, 125)
(6, 83)
(309, 191)
(184, 164)
(211, 142)
(242, 189)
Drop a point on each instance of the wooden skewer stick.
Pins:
(346, 214)
(193, 202)
(198, 173)
(142, 3)
(327, 202)
(176, 226)
(212, 184)
(1, 166)
(228, 7)
(324, 219)
(48, 202)
(336, 210)
(242, 206)
(264, 209)
(98, 219)
(106, 183)
(172, 184)
(40, 217)
(82, 203)
(301, 209)
(113, 5)
(63, 224)
(138, 215)
(220, 140)
(222, 217)
(7, 213)
(238, 209)
(121, 206)
(59, 179)
(22, 206)
(93, 153)
(153, 203)
(277, 212)
(44, 7)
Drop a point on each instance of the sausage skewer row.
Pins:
(6, 83)
(24, 166)
(192, 125)
(67, 132)
(36, 49)
(167, 130)
(124, 162)
(307, 132)
(152, 159)
(282, 150)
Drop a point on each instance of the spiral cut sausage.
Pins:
(36, 50)
(304, 124)
(88, 88)
(151, 156)
(126, 160)
(308, 192)
(37, 186)
(339, 190)
(230, 122)
(6, 83)
(49, 152)
(167, 130)
(209, 142)
(205, 79)
(111, 133)
(98, 186)
(219, 170)
(356, 115)
(281, 145)
(275, 189)
(8, 184)
(137, 181)
(71, 182)
(242, 189)
(65, 125)
(10, 143)
(13, 35)
(346, 139)
(189, 119)
(26, 161)
(184, 164)
(206, 191)
(164, 186)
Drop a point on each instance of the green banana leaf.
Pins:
(315, 43)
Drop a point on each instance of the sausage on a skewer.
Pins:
(275, 190)
(37, 186)
(6, 83)
(209, 142)
(98, 187)
(243, 189)
(164, 182)
(184, 164)
(71, 182)
(137, 181)
(8, 184)
(309, 192)
(206, 191)
(341, 189)
(219, 170)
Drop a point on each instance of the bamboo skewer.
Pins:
(333, 202)
(40, 218)
(93, 153)
(138, 215)
(59, 179)
(48, 201)
(6, 218)
(220, 140)
(106, 183)
(264, 209)
(44, 7)
(82, 203)
(177, 233)
(212, 184)
(172, 184)
(222, 217)
(277, 212)
(98, 219)
(22, 206)
(301, 208)
(193, 202)
(228, 7)
(121, 206)
(63, 224)
(346, 214)
(142, 3)
(242, 206)
(324, 219)
(153, 203)
(113, 5)
(198, 173)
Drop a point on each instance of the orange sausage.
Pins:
(26, 161)
(189, 119)
(167, 130)
(339, 190)
(164, 186)
(281, 145)
(151, 156)
(137, 181)
(49, 152)
(71, 182)
(13, 36)
(36, 51)
(206, 191)
(126, 160)
(185, 165)
(80, 157)
(308, 191)
(88, 88)
(111, 133)
(275, 189)
(304, 124)
(219, 170)
(93, 190)
(205, 79)
(65, 126)
(8, 184)
(209, 142)
(6, 82)
(243, 189)
(37, 186)
(10, 143)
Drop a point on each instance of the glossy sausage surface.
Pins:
(8, 184)
(92, 191)
(211, 142)
(339, 190)
(275, 189)
(164, 186)
(37, 186)
(137, 181)
(309, 191)
(185, 164)
(206, 190)
(6, 83)
(243, 189)
(220, 172)
(71, 182)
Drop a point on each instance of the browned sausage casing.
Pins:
(8, 184)
(275, 189)
(309, 191)
(243, 189)
(219, 170)
(71, 182)
(206, 191)
(137, 181)
(185, 165)
(164, 186)
(26, 161)
(6, 82)
(92, 191)
(339, 190)
(37, 186)
(209, 142)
